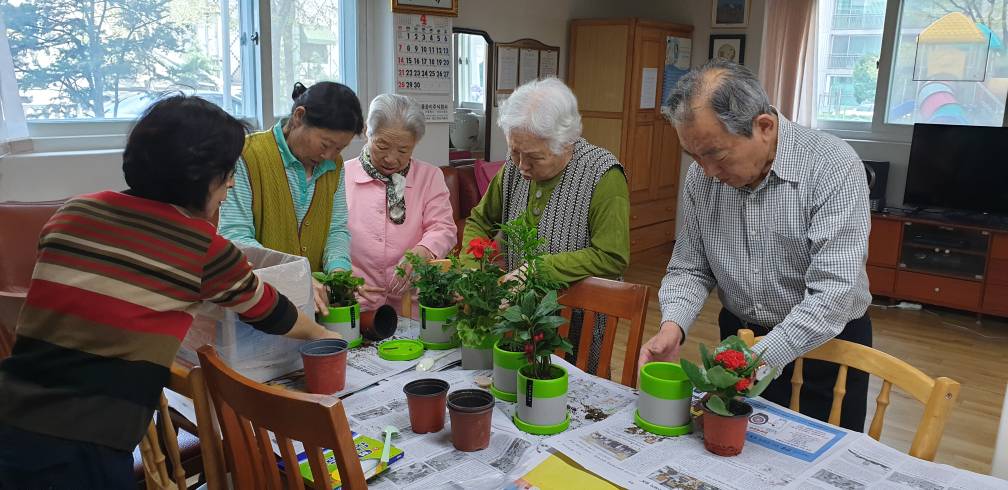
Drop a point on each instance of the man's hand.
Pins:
(321, 297)
(662, 347)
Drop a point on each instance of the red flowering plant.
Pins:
(482, 293)
(728, 375)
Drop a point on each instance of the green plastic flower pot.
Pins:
(663, 406)
(542, 403)
(432, 331)
(505, 373)
(479, 357)
(344, 320)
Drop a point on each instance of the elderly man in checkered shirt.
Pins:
(776, 216)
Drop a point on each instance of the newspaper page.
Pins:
(866, 463)
(619, 451)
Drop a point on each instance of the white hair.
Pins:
(394, 110)
(545, 108)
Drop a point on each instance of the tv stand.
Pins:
(939, 260)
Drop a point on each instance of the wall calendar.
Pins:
(424, 63)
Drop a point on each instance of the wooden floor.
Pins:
(939, 342)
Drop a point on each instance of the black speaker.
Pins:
(878, 176)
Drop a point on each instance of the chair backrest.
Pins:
(462, 192)
(20, 226)
(999, 464)
(615, 300)
(161, 433)
(937, 394)
(249, 411)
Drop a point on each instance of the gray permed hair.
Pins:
(731, 90)
(394, 110)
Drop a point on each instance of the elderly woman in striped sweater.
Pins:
(573, 191)
(118, 278)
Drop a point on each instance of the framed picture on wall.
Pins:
(729, 13)
(445, 8)
(728, 46)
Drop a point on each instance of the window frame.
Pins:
(72, 135)
(878, 130)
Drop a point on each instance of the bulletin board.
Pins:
(423, 63)
(523, 60)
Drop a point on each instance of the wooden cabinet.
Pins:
(939, 262)
(608, 60)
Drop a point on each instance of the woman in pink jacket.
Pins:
(396, 204)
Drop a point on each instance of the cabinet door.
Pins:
(598, 62)
(649, 57)
(884, 242)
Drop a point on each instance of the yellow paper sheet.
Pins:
(557, 472)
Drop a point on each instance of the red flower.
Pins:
(731, 359)
(743, 384)
(538, 337)
(480, 246)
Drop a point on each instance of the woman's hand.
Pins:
(371, 294)
(321, 294)
(401, 284)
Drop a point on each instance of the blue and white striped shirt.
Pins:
(236, 221)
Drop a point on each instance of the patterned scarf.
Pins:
(395, 187)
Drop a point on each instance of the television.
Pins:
(962, 168)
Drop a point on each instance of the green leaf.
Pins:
(705, 356)
(697, 376)
(717, 405)
(761, 385)
(721, 377)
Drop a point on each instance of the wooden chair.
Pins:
(937, 394)
(616, 300)
(999, 464)
(248, 411)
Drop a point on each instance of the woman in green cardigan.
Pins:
(289, 194)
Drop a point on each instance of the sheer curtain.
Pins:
(788, 62)
(12, 119)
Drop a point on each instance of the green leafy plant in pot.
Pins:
(482, 293)
(509, 353)
(728, 376)
(541, 385)
(438, 304)
(344, 311)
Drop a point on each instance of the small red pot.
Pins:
(725, 436)
(426, 400)
(471, 413)
(379, 324)
(325, 362)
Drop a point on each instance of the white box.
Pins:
(255, 354)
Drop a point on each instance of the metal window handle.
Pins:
(255, 37)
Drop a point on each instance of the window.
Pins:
(950, 63)
(470, 72)
(109, 59)
(847, 63)
(308, 46)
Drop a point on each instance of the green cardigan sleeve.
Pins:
(608, 254)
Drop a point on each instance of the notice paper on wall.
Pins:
(649, 88)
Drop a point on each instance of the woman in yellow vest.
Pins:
(289, 194)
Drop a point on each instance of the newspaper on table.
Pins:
(866, 463)
(783, 450)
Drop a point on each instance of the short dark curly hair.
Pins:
(179, 148)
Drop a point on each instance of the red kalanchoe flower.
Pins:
(743, 384)
(731, 359)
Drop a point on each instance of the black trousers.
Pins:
(819, 376)
(30, 460)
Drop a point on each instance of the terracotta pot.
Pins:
(471, 412)
(379, 324)
(426, 400)
(725, 436)
(325, 363)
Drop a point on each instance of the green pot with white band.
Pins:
(542, 403)
(505, 373)
(479, 357)
(663, 406)
(432, 331)
(344, 320)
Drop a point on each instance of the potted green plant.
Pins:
(509, 352)
(728, 376)
(344, 311)
(438, 302)
(542, 385)
(482, 293)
